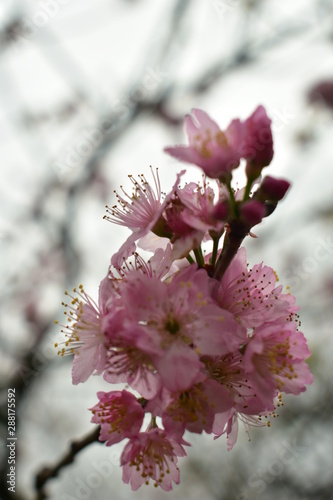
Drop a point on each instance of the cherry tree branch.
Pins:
(47, 473)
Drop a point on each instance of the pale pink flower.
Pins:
(247, 405)
(129, 357)
(141, 213)
(275, 359)
(183, 236)
(131, 351)
(85, 332)
(195, 409)
(182, 322)
(119, 414)
(192, 217)
(229, 371)
(136, 211)
(198, 207)
(158, 266)
(251, 295)
(161, 263)
(215, 151)
(151, 456)
(128, 363)
(106, 295)
(227, 423)
(177, 224)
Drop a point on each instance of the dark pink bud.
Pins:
(221, 211)
(272, 189)
(252, 212)
(258, 144)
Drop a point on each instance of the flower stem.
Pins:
(199, 257)
(248, 189)
(232, 194)
(214, 254)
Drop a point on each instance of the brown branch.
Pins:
(232, 242)
(48, 473)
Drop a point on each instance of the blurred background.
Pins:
(91, 91)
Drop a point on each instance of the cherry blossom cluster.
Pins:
(199, 340)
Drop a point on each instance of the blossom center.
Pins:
(172, 326)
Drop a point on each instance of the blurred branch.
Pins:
(63, 228)
(248, 51)
(47, 473)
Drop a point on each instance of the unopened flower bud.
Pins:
(272, 189)
(221, 211)
(258, 145)
(252, 212)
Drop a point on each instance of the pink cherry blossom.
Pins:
(106, 295)
(151, 456)
(227, 423)
(136, 211)
(129, 357)
(215, 151)
(182, 321)
(141, 212)
(204, 341)
(184, 236)
(119, 414)
(251, 295)
(229, 371)
(192, 217)
(248, 405)
(275, 359)
(132, 366)
(158, 266)
(85, 333)
(196, 408)
(198, 207)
